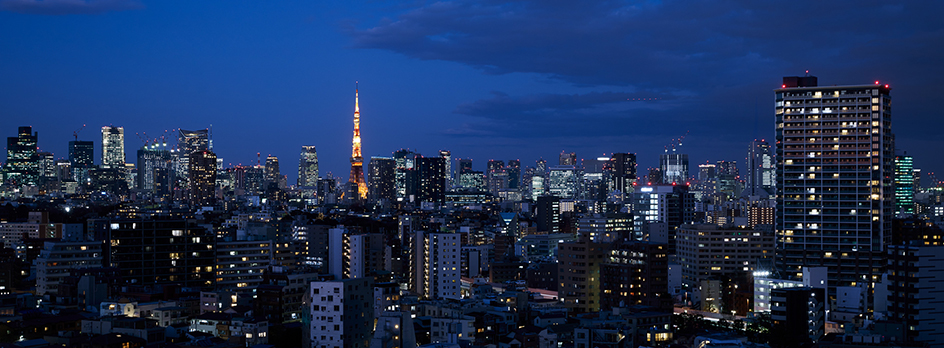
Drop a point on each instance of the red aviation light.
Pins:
(876, 82)
(783, 86)
(886, 86)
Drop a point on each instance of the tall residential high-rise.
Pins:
(82, 156)
(202, 177)
(113, 147)
(22, 166)
(761, 170)
(189, 142)
(436, 265)
(835, 152)
(450, 181)
(357, 162)
(308, 167)
(380, 179)
(904, 185)
(674, 167)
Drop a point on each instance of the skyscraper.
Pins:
(380, 175)
(272, 172)
(403, 175)
(154, 162)
(449, 175)
(113, 147)
(22, 166)
(189, 142)
(835, 153)
(82, 156)
(761, 172)
(567, 159)
(308, 167)
(357, 162)
(904, 185)
(622, 172)
(514, 174)
(464, 166)
(202, 177)
(674, 167)
(431, 179)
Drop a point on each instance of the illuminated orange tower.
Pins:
(357, 162)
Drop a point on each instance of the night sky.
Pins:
(484, 79)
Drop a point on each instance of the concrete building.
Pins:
(706, 251)
(58, 258)
(436, 265)
(579, 272)
(916, 280)
(342, 313)
(835, 165)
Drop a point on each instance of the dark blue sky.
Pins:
(484, 79)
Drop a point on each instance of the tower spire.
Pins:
(356, 180)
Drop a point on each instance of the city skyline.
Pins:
(109, 63)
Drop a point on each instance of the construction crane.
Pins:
(76, 133)
(676, 143)
(934, 181)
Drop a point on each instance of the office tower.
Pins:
(22, 166)
(563, 181)
(605, 228)
(308, 167)
(579, 274)
(621, 171)
(761, 170)
(635, 273)
(152, 159)
(728, 183)
(473, 180)
(159, 251)
(202, 177)
(380, 179)
(272, 172)
(567, 159)
(436, 263)
(47, 165)
(464, 165)
(674, 167)
(655, 176)
(403, 175)
(450, 178)
(82, 156)
(514, 174)
(342, 313)
(915, 282)
(834, 178)
(431, 179)
(357, 162)
(904, 185)
(672, 205)
(496, 177)
(113, 147)
(189, 142)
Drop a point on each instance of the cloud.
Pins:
(547, 115)
(68, 7)
(652, 44)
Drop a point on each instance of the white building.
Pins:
(437, 265)
(342, 313)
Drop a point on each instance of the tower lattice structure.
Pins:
(357, 161)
